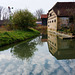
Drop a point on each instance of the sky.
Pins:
(31, 5)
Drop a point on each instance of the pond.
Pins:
(43, 55)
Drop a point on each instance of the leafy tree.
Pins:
(23, 19)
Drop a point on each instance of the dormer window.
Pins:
(50, 14)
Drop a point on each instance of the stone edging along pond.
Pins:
(9, 37)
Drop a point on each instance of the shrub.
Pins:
(9, 27)
(23, 19)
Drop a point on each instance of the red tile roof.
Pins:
(64, 8)
(44, 16)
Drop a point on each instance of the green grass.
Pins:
(9, 37)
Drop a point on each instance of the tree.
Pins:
(38, 13)
(5, 14)
(23, 19)
(0, 11)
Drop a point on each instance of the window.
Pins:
(51, 48)
(50, 14)
(54, 20)
(55, 44)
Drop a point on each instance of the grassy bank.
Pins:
(9, 37)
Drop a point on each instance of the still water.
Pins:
(39, 56)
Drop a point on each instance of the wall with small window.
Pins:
(52, 42)
(52, 21)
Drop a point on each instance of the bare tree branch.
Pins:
(0, 11)
(38, 13)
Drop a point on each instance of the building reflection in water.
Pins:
(61, 49)
(44, 37)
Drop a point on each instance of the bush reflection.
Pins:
(24, 50)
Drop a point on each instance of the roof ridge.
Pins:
(64, 8)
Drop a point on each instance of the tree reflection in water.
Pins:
(24, 50)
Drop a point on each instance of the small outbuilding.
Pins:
(44, 19)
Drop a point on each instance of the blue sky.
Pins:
(31, 5)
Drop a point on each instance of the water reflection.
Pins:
(24, 50)
(61, 49)
(44, 37)
(35, 59)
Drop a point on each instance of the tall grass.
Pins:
(9, 37)
(42, 29)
